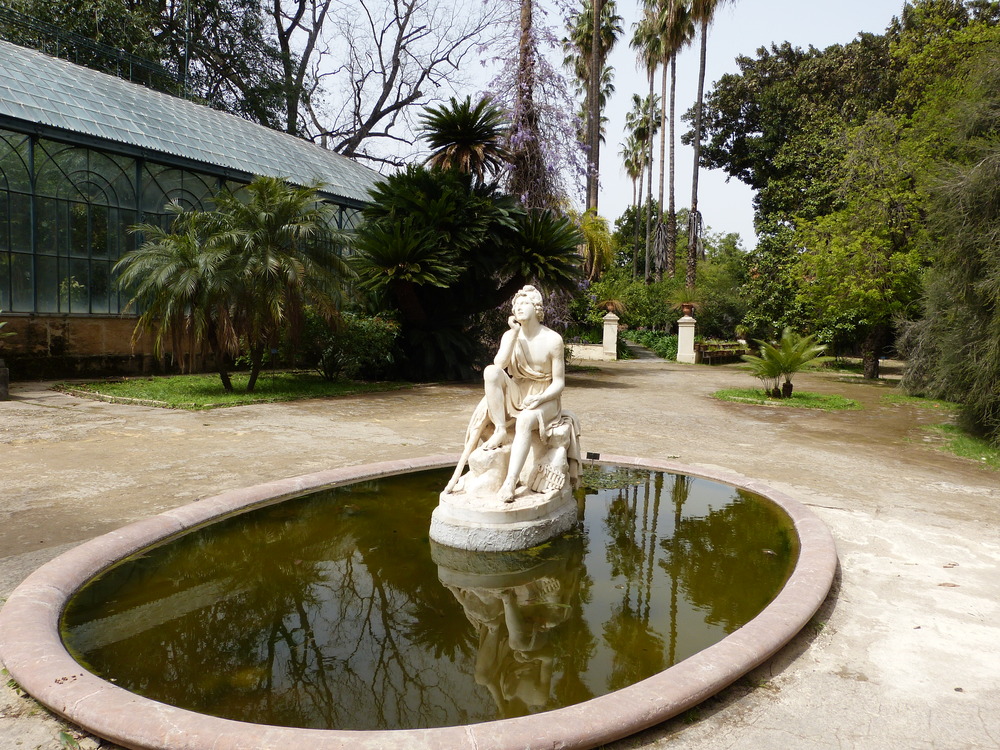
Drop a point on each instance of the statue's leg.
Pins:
(527, 423)
(473, 434)
(495, 382)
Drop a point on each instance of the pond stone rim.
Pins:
(34, 655)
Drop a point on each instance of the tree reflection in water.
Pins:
(329, 611)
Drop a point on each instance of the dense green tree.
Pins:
(839, 145)
(446, 252)
(773, 126)
(115, 26)
(218, 51)
(955, 347)
(860, 266)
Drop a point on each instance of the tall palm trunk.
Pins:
(663, 166)
(671, 208)
(638, 219)
(529, 180)
(594, 109)
(649, 167)
(694, 221)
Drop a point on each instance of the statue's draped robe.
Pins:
(520, 381)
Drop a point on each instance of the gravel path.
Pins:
(904, 654)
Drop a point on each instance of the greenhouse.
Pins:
(84, 156)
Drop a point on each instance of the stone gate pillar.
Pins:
(685, 340)
(611, 336)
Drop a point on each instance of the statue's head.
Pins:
(534, 297)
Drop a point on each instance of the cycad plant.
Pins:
(783, 359)
(467, 137)
(445, 252)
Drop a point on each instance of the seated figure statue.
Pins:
(522, 405)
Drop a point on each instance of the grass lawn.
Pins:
(798, 400)
(204, 391)
(918, 401)
(963, 444)
(956, 440)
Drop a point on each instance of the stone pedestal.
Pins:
(479, 523)
(610, 340)
(685, 340)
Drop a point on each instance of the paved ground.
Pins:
(904, 654)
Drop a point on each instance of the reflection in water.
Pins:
(513, 601)
(334, 610)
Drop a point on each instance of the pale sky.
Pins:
(739, 29)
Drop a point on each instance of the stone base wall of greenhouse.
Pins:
(48, 347)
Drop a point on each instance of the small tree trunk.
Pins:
(220, 358)
(871, 350)
(786, 389)
(256, 363)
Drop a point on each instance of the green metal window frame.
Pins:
(65, 211)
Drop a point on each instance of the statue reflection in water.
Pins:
(514, 607)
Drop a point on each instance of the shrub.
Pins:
(358, 347)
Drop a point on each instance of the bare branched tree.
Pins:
(367, 64)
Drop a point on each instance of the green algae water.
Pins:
(334, 610)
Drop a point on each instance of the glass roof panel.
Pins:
(50, 91)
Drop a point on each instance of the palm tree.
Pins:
(649, 44)
(180, 279)
(592, 37)
(677, 30)
(237, 276)
(281, 241)
(642, 127)
(631, 156)
(702, 12)
(466, 137)
(597, 247)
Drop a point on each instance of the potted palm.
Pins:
(685, 299)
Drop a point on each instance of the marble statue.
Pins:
(519, 434)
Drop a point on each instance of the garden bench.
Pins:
(719, 352)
